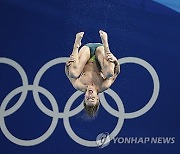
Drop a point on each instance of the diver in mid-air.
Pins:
(92, 69)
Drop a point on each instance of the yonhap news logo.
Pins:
(104, 138)
(144, 140)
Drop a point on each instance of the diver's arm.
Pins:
(109, 81)
(75, 81)
(79, 86)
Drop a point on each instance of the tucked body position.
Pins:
(92, 69)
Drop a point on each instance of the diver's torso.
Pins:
(91, 74)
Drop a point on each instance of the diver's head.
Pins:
(91, 100)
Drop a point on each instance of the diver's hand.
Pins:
(110, 57)
(70, 60)
(117, 68)
(102, 75)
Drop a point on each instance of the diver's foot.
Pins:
(78, 39)
(104, 37)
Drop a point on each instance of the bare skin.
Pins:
(85, 75)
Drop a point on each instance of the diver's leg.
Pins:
(77, 44)
(105, 57)
(80, 57)
(107, 67)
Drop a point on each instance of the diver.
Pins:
(92, 69)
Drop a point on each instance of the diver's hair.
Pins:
(91, 110)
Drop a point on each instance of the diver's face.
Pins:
(91, 96)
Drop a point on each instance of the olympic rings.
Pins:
(55, 114)
(93, 143)
(24, 82)
(154, 96)
(36, 83)
(46, 134)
